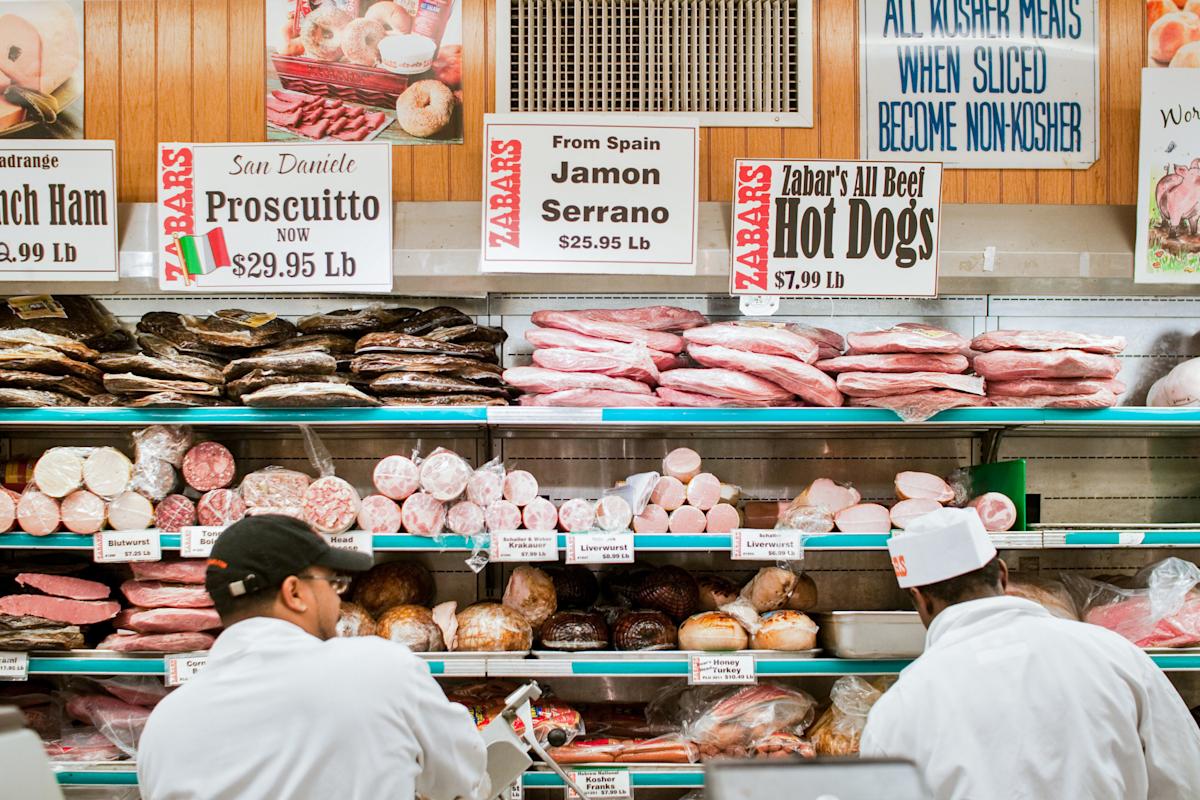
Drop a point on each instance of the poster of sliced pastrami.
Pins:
(363, 70)
(41, 69)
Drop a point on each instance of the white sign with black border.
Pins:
(762, 545)
(357, 541)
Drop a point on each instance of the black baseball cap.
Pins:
(257, 554)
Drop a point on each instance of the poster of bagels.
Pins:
(1173, 33)
(41, 69)
(363, 70)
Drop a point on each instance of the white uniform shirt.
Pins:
(278, 714)
(1011, 703)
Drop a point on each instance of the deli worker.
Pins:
(1010, 702)
(284, 710)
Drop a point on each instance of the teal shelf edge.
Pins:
(644, 780)
(401, 541)
(51, 665)
(830, 416)
(832, 666)
(630, 668)
(69, 541)
(98, 777)
(240, 415)
(1124, 414)
(1125, 538)
(1183, 662)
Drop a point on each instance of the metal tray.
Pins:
(871, 634)
(670, 655)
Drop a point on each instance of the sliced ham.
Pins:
(633, 362)
(675, 397)
(1048, 340)
(591, 398)
(1101, 399)
(907, 337)
(544, 338)
(535, 380)
(828, 495)
(920, 406)
(726, 383)
(863, 518)
(682, 464)
(583, 322)
(872, 384)
(922, 485)
(157, 594)
(1032, 387)
(157, 643)
(896, 362)
(996, 510)
(755, 337)
(906, 511)
(1011, 365)
(187, 570)
(167, 620)
(795, 376)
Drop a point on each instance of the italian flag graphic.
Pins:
(203, 254)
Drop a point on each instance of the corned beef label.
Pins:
(122, 547)
(14, 666)
(58, 210)
(589, 193)
(600, 548)
(275, 217)
(182, 667)
(834, 228)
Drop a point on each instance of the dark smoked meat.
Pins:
(381, 363)
(68, 347)
(356, 320)
(66, 384)
(469, 333)
(444, 400)
(178, 368)
(128, 383)
(330, 343)
(168, 326)
(33, 398)
(37, 633)
(170, 400)
(262, 378)
(286, 363)
(86, 321)
(423, 383)
(434, 318)
(404, 343)
(225, 329)
(308, 395)
(32, 358)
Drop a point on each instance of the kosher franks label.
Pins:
(14, 666)
(275, 217)
(358, 541)
(524, 546)
(601, 784)
(182, 667)
(757, 545)
(196, 541)
(600, 548)
(721, 670)
(122, 547)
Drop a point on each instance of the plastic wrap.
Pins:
(141, 690)
(486, 484)
(838, 731)
(1163, 610)
(733, 721)
(554, 723)
(412, 626)
(166, 442)
(444, 475)
(275, 487)
(153, 478)
(768, 590)
(636, 490)
(317, 452)
(59, 470)
(120, 722)
(531, 593)
(83, 744)
(491, 627)
(353, 620)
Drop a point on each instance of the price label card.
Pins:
(122, 547)
(182, 667)
(754, 545)
(600, 548)
(196, 541)
(516, 791)
(358, 541)
(601, 784)
(721, 669)
(524, 546)
(14, 666)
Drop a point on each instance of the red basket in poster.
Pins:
(368, 85)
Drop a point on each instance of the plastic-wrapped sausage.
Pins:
(83, 512)
(174, 513)
(723, 518)
(502, 516)
(613, 514)
(37, 513)
(669, 492)
(153, 478)
(130, 512)
(485, 486)
(207, 466)
(220, 507)
(107, 472)
(682, 463)
(687, 519)
(379, 514)
(59, 471)
(444, 475)
(520, 487)
(423, 514)
(331, 505)
(540, 515)
(396, 477)
(653, 519)
(8, 512)
(577, 515)
(465, 518)
(704, 491)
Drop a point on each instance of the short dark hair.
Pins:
(246, 606)
(967, 586)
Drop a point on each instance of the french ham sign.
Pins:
(835, 228)
(586, 193)
(275, 217)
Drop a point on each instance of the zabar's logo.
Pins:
(175, 184)
(752, 210)
(504, 201)
(899, 566)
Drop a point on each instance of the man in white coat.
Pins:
(1011, 703)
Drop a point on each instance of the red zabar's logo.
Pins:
(176, 177)
(752, 208)
(899, 566)
(504, 203)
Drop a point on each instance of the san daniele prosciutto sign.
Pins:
(835, 228)
(585, 193)
(275, 217)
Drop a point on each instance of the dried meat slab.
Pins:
(331, 343)
(381, 363)
(444, 400)
(33, 358)
(37, 633)
(33, 398)
(262, 378)
(68, 347)
(427, 383)
(86, 321)
(184, 368)
(469, 333)
(308, 363)
(356, 321)
(392, 342)
(170, 400)
(66, 384)
(228, 328)
(167, 326)
(129, 383)
(308, 395)
(434, 318)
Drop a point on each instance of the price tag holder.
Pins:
(600, 548)
(754, 545)
(358, 541)
(524, 546)
(1130, 538)
(14, 666)
(721, 670)
(196, 541)
(123, 547)
(609, 784)
(516, 791)
(182, 667)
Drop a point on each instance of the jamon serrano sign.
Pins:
(275, 217)
(835, 228)
(589, 194)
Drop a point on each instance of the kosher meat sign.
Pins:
(835, 228)
(589, 194)
(275, 217)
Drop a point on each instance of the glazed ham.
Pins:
(536, 380)
(726, 383)
(907, 337)
(795, 376)
(870, 384)
(1048, 340)
(755, 337)
(896, 362)
(1010, 365)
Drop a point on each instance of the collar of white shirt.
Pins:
(963, 620)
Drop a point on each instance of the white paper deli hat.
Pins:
(939, 546)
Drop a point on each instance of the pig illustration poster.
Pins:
(41, 69)
(362, 70)
(1168, 245)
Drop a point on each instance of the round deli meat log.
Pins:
(520, 487)
(423, 514)
(465, 518)
(863, 518)
(396, 477)
(167, 442)
(153, 478)
(207, 466)
(669, 492)
(8, 512)
(130, 512)
(723, 518)
(704, 491)
(379, 514)
(540, 515)
(330, 505)
(58, 472)
(83, 512)
(502, 516)
(687, 519)
(613, 514)
(220, 507)
(653, 519)
(904, 512)
(577, 515)
(485, 486)
(996, 511)
(107, 472)
(682, 463)
(923, 486)
(444, 475)
(37, 513)
(175, 513)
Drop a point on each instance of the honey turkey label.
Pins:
(601, 784)
(181, 668)
(14, 666)
(524, 546)
(758, 545)
(196, 541)
(600, 548)
(123, 547)
(721, 670)
(356, 541)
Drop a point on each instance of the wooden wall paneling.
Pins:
(702, 177)
(211, 79)
(1126, 23)
(837, 104)
(139, 129)
(466, 166)
(102, 72)
(431, 171)
(724, 145)
(1091, 184)
(173, 71)
(982, 185)
(1019, 186)
(247, 70)
(954, 182)
(1055, 186)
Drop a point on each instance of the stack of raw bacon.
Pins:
(318, 117)
(912, 368)
(1050, 369)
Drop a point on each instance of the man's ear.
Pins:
(920, 603)
(290, 595)
(1003, 576)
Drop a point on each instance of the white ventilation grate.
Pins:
(727, 62)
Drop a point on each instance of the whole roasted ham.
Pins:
(1048, 340)
(795, 376)
(1011, 365)
(726, 383)
(906, 337)
(755, 337)
(1179, 387)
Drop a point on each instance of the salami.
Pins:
(687, 519)
(37, 513)
(722, 518)
(465, 518)
(330, 505)
(669, 492)
(653, 519)
(207, 466)
(274, 487)
(540, 515)
(682, 463)
(153, 478)
(613, 514)
(502, 516)
(107, 472)
(396, 477)
(8, 512)
(485, 486)
(444, 475)
(423, 514)
(379, 514)
(83, 512)
(220, 507)
(174, 513)
(130, 512)
(520, 487)
(704, 491)
(58, 472)
(577, 516)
